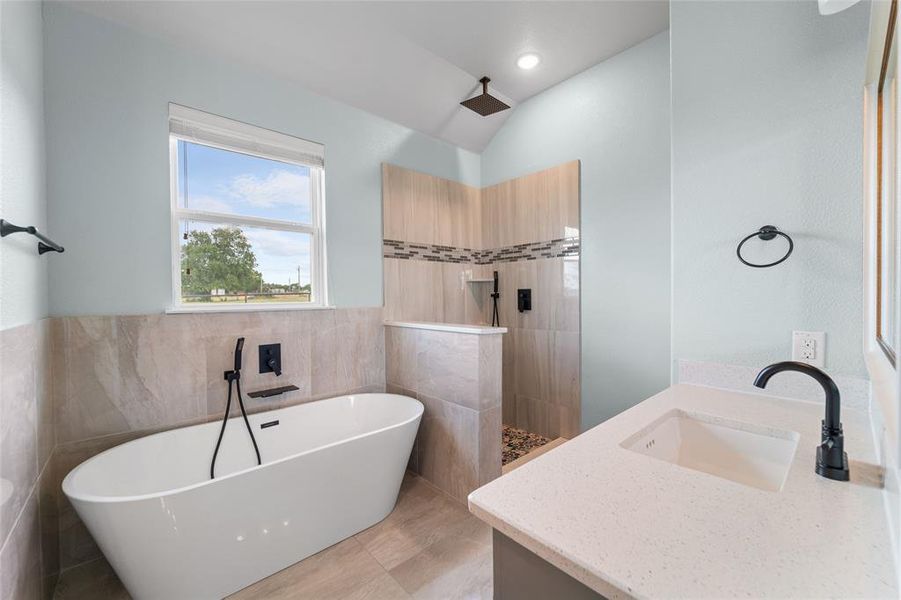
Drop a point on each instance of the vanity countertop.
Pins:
(628, 525)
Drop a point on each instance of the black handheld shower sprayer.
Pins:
(239, 350)
(495, 316)
(234, 377)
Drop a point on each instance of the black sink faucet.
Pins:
(832, 461)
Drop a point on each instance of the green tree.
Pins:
(219, 259)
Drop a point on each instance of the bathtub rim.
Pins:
(95, 499)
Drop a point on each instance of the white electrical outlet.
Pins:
(809, 347)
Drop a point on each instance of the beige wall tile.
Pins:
(490, 441)
(454, 292)
(18, 416)
(474, 218)
(428, 194)
(533, 363)
(413, 206)
(565, 301)
(291, 329)
(457, 377)
(508, 283)
(400, 357)
(167, 369)
(558, 281)
(530, 212)
(565, 369)
(560, 211)
(489, 212)
(397, 201)
(459, 216)
(491, 365)
(392, 288)
(43, 365)
(508, 388)
(537, 207)
(414, 290)
(91, 404)
(525, 275)
(323, 349)
(20, 560)
(498, 215)
(570, 190)
(448, 446)
(447, 367)
(48, 513)
(555, 293)
(563, 421)
(451, 216)
(161, 366)
(476, 297)
(361, 348)
(532, 415)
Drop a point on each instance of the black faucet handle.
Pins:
(273, 364)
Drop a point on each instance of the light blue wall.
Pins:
(613, 117)
(107, 91)
(767, 126)
(23, 273)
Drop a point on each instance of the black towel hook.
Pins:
(44, 245)
(766, 233)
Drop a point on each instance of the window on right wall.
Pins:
(886, 193)
(247, 216)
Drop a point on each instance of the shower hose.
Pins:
(236, 379)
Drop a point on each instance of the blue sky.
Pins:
(239, 184)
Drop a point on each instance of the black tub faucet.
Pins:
(832, 460)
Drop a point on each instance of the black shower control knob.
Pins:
(524, 299)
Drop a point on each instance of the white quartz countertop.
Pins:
(628, 525)
(473, 329)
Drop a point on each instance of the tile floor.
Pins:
(430, 547)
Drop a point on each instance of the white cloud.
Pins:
(280, 254)
(211, 204)
(279, 243)
(277, 188)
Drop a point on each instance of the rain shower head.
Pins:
(484, 104)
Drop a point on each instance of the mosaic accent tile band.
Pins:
(562, 247)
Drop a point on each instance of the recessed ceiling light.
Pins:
(528, 61)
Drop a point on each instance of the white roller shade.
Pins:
(204, 128)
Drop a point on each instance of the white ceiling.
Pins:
(409, 62)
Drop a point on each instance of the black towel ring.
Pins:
(766, 233)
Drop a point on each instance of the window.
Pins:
(247, 215)
(887, 239)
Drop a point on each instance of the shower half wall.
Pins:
(442, 242)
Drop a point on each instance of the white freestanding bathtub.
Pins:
(330, 469)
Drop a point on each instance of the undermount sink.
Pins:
(749, 454)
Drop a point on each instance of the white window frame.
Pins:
(253, 141)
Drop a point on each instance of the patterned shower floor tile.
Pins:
(518, 442)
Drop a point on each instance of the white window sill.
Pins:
(178, 310)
